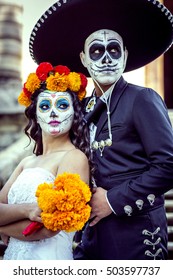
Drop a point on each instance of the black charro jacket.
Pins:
(140, 160)
(136, 171)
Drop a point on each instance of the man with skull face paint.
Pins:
(131, 133)
(55, 122)
(104, 57)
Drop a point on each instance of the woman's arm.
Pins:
(15, 230)
(10, 213)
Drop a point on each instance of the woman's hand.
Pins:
(34, 213)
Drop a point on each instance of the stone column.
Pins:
(10, 41)
(11, 113)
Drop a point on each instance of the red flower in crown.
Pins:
(84, 81)
(26, 92)
(43, 69)
(62, 69)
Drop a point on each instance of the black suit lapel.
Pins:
(116, 94)
(96, 112)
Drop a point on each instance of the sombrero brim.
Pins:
(146, 27)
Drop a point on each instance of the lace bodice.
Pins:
(24, 188)
(58, 247)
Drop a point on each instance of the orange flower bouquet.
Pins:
(64, 204)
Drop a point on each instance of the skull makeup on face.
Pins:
(104, 56)
(55, 112)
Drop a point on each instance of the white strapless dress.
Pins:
(58, 247)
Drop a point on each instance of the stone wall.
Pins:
(11, 129)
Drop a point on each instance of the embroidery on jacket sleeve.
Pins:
(151, 199)
(128, 210)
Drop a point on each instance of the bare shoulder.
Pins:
(27, 161)
(76, 154)
(22, 164)
(4, 191)
(75, 161)
(76, 157)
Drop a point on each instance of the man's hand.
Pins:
(100, 206)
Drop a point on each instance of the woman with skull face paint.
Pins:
(52, 98)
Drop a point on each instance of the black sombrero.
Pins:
(146, 27)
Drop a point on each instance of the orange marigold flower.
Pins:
(57, 82)
(23, 99)
(81, 94)
(74, 81)
(48, 206)
(33, 83)
(43, 187)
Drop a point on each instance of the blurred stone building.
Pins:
(11, 114)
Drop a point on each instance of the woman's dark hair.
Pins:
(79, 132)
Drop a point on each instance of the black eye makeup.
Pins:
(114, 50)
(96, 51)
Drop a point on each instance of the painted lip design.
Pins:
(54, 123)
(105, 69)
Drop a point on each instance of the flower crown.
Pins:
(58, 78)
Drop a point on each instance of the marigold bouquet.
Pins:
(64, 204)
